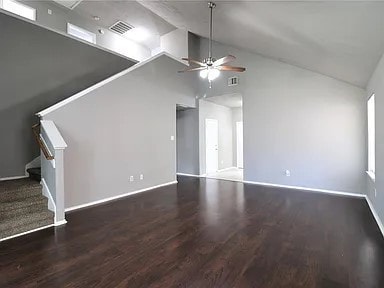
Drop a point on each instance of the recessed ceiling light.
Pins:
(96, 18)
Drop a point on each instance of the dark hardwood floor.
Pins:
(204, 233)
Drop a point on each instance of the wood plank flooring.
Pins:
(204, 233)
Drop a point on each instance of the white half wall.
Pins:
(123, 129)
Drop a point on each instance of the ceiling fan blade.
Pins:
(224, 60)
(231, 68)
(194, 62)
(193, 69)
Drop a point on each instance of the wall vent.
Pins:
(233, 81)
(120, 27)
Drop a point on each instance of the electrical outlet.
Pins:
(131, 179)
(49, 11)
(287, 173)
(172, 138)
(141, 176)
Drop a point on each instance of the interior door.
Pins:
(211, 145)
(239, 144)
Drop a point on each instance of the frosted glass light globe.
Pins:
(213, 74)
(204, 73)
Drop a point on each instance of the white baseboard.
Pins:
(25, 233)
(375, 215)
(117, 197)
(190, 175)
(59, 223)
(13, 178)
(340, 193)
(228, 168)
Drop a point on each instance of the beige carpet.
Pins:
(22, 207)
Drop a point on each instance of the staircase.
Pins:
(22, 207)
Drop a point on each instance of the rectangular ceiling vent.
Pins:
(233, 81)
(120, 27)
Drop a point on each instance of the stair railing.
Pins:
(41, 142)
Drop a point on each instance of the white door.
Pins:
(211, 145)
(239, 144)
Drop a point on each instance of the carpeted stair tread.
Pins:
(18, 185)
(35, 200)
(25, 223)
(17, 208)
(22, 207)
(19, 190)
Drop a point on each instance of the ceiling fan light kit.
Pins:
(210, 73)
(210, 68)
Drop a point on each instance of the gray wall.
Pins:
(121, 129)
(299, 120)
(61, 16)
(187, 141)
(237, 116)
(39, 68)
(376, 85)
(209, 110)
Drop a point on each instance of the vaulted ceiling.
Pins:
(341, 39)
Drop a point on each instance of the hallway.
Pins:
(232, 174)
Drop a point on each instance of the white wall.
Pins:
(299, 120)
(175, 43)
(121, 129)
(209, 110)
(376, 86)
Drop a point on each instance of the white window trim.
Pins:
(74, 27)
(371, 170)
(21, 4)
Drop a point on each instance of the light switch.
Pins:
(172, 138)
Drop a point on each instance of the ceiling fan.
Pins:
(210, 67)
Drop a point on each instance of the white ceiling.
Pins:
(229, 100)
(341, 39)
(130, 12)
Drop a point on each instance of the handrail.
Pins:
(40, 141)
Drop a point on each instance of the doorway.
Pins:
(211, 145)
(222, 154)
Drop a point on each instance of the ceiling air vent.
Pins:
(233, 81)
(120, 27)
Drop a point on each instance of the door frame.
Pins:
(238, 123)
(217, 149)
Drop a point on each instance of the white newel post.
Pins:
(53, 170)
(60, 209)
